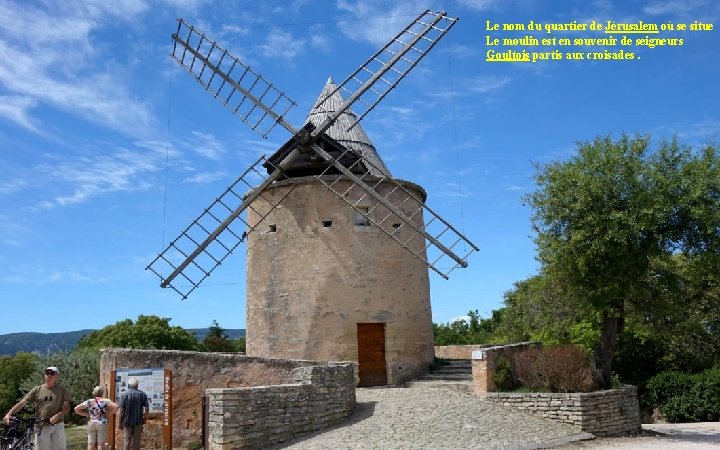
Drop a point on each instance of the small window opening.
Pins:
(273, 228)
(360, 216)
(327, 223)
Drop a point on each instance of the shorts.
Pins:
(97, 432)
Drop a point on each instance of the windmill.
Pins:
(329, 157)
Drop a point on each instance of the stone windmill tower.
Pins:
(323, 283)
(338, 250)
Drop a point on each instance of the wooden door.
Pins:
(371, 354)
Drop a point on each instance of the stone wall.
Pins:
(458, 351)
(483, 364)
(193, 374)
(603, 413)
(261, 416)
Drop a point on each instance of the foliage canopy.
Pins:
(148, 332)
(621, 230)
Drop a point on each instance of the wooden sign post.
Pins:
(167, 413)
(111, 423)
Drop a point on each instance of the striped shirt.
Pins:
(133, 402)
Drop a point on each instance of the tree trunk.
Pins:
(611, 326)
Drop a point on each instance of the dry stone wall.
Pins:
(483, 364)
(193, 373)
(458, 351)
(265, 415)
(603, 413)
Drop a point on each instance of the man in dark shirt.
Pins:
(133, 412)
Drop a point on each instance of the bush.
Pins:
(563, 368)
(683, 397)
(503, 378)
(13, 370)
(666, 385)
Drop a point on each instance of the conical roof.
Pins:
(355, 139)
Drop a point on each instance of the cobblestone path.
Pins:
(435, 418)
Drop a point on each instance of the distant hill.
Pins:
(201, 332)
(54, 342)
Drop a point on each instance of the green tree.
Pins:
(475, 330)
(539, 309)
(13, 370)
(217, 340)
(239, 344)
(609, 219)
(148, 332)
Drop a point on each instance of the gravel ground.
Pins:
(690, 436)
(436, 418)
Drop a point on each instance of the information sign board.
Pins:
(150, 381)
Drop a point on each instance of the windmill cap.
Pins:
(53, 368)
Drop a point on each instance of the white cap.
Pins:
(53, 368)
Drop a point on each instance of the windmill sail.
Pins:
(215, 233)
(260, 105)
(247, 94)
(375, 78)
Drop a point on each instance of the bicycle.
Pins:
(19, 434)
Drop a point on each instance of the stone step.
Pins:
(451, 369)
(461, 367)
(458, 362)
(447, 376)
(465, 387)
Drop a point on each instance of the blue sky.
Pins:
(108, 149)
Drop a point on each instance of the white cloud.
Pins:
(465, 319)
(87, 177)
(320, 42)
(44, 275)
(48, 57)
(10, 230)
(477, 5)
(696, 132)
(12, 186)
(15, 108)
(483, 85)
(206, 177)
(380, 22)
(670, 7)
(206, 145)
(186, 6)
(460, 50)
(281, 44)
(480, 85)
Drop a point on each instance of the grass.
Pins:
(76, 437)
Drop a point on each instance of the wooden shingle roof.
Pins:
(355, 139)
(362, 158)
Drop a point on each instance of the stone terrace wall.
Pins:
(193, 373)
(483, 367)
(603, 413)
(261, 416)
(457, 351)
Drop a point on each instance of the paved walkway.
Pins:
(661, 436)
(434, 418)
